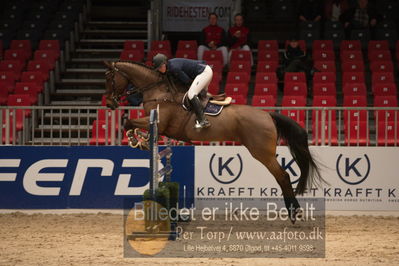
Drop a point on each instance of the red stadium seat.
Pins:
(104, 133)
(294, 77)
(132, 55)
(7, 85)
(324, 45)
(28, 88)
(354, 89)
(9, 76)
(214, 87)
(213, 55)
(134, 45)
(3, 94)
(267, 66)
(238, 66)
(297, 115)
(374, 45)
(352, 66)
(295, 88)
(324, 89)
(50, 55)
(324, 77)
(263, 100)
(350, 45)
(237, 77)
(190, 45)
(387, 134)
(353, 77)
(323, 55)
(266, 77)
(354, 115)
(153, 53)
(330, 133)
(386, 115)
(216, 65)
(239, 99)
(188, 54)
(23, 45)
(386, 88)
(12, 65)
(11, 130)
(1, 49)
(240, 55)
(19, 100)
(49, 45)
(236, 89)
(43, 66)
(351, 56)
(378, 77)
(103, 114)
(325, 66)
(380, 55)
(381, 66)
(16, 54)
(33, 76)
(356, 133)
(266, 89)
(268, 56)
(268, 45)
(162, 45)
(136, 113)
(324, 101)
(216, 77)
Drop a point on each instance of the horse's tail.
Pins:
(297, 140)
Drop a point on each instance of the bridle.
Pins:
(115, 95)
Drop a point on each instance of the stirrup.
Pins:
(203, 124)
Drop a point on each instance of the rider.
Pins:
(191, 72)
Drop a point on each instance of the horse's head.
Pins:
(116, 82)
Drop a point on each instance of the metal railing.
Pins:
(72, 125)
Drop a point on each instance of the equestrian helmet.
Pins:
(158, 60)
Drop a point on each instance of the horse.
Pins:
(256, 129)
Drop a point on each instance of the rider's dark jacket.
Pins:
(185, 69)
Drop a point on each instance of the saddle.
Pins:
(213, 104)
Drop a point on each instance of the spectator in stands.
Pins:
(333, 9)
(213, 37)
(193, 73)
(362, 16)
(238, 36)
(295, 59)
(310, 10)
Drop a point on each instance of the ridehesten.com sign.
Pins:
(358, 178)
(192, 16)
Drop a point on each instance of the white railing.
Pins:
(61, 125)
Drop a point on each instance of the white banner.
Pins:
(360, 178)
(192, 16)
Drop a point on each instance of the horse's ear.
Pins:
(107, 64)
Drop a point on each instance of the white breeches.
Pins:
(223, 49)
(200, 82)
(244, 48)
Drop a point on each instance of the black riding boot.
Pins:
(201, 122)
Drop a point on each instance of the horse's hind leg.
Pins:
(283, 179)
(266, 154)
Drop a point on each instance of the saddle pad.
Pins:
(213, 109)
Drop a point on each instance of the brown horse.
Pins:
(257, 130)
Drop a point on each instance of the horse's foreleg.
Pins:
(137, 140)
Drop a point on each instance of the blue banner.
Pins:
(84, 177)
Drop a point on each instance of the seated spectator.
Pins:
(295, 60)
(333, 9)
(238, 36)
(213, 37)
(310, 10)
(363, 16)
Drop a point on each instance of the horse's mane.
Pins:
(175, 85)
